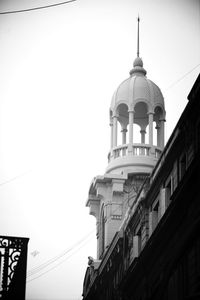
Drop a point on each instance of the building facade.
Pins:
(146, 205)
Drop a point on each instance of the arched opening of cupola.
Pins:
(111, 127)
(141, 119)
(137, 134)
(122, 116)
(159, 119)
(154, 136)
(119, 119)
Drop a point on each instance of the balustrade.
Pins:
(120, 151)
(137, 150)
(141, 150)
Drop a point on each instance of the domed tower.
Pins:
(137, 103)
(137, 108)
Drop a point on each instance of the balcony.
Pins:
(136, 150)
(135, 155)
(13, 262)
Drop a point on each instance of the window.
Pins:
(137, 243)
(175, 176)
(156, 209)
(168, 187)
(182, 166)
(154, 215)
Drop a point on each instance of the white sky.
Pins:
(58, 70)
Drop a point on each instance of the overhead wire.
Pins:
(44, 265)
(61, 262)
(14, 178)
(36, 8)
(181, 78)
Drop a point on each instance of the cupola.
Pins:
(137, 101)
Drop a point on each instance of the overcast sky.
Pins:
(59, 68)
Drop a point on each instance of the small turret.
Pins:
(137, 101)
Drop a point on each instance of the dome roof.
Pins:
(138, 88)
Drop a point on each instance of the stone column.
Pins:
(143, 132)
(111, 134)
(162, 133)
(150, 128)
(124, 131)
(115, 131)
(158, 133)
(131, 121)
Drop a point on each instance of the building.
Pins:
(147, 205)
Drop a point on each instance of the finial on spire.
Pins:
(138, 63)
(138, 37)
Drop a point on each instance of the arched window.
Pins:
(141, 121)
(122, 112)
(159, 120)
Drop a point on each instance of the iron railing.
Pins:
(13, 262)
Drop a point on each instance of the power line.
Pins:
(13, 179)
(181, 78)
(59, 262)
(54, 259)
(52, 268)
(44, 265)
(35, 8)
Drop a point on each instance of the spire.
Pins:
(138, 63)
(138, 37)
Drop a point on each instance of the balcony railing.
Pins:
(141, 150)
(13, 261)
(120, 151)
(137, 150)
